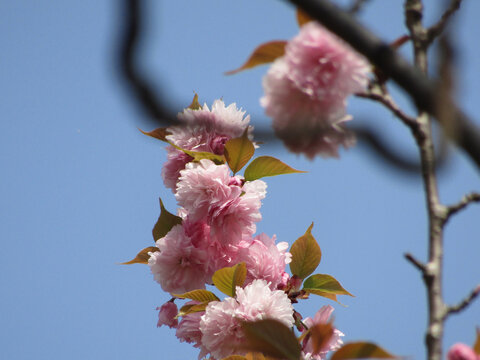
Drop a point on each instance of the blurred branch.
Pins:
(142, 90)
(422, 90)
(377, 94)
(150, 100)
(437, 29)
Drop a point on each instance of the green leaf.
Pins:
(191, 308)
(271, 338)
(324, 284)
(239, 151)
(198, 295)
(166, 221)
(227, 279)
(476, 346)
(263, 54)
(159, 133)
(267, 166)
(199, 155)
(195, 105)
(142, 257)
(361, 350)
(306, 255)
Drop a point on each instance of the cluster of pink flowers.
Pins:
(306, 91)
(219, 212)
(202, 130)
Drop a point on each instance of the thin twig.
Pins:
(419, 265)
(389, 103)
(437, 29)
(463, 203)
(464, 303)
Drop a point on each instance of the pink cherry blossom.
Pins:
(202, 130)
(166, 315)
(321, 317)
(207, 192)
(188, 329)
(265, 260)
(179, 266)
(461, 351)
(306, 91)
(220, 326)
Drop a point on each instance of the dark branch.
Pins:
(150, 101)
(422, 90)
(421, 267)
(141, 89)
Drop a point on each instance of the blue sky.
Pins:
(80, 184)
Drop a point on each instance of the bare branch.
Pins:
(422, 90)
(464, 303)
(419, 265)
(437, 29)
(463, 203)
(385, 99)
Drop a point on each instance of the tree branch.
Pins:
(463, 203)
(464, 303)
(385, 99)
(419, 265)
(437, 29)
(422, 90)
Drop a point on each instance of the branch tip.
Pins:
(420, 266)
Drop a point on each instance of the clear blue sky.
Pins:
(80, 185)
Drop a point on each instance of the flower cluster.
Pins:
(306, 91)
(215, 230)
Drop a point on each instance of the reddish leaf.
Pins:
(361, 350)
(195, 105)
(303, 18)
(165, 222)
(271, 338)
(476, 346)
(159, 133)
(320, 335)
(306, 255)
(239, 151)
(142, 257)
(263, 54)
